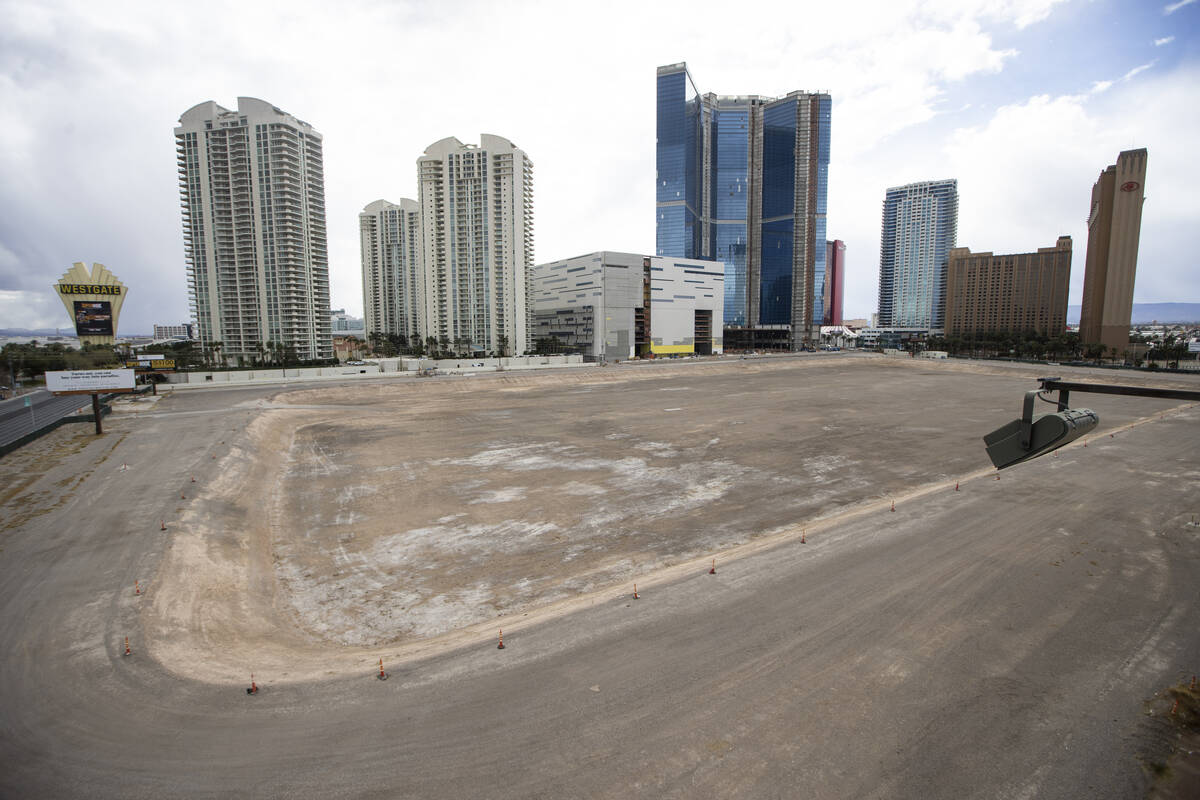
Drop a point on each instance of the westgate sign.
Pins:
(89, 288)
(93, 298)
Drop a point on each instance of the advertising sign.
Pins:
(154, 363)
(93, 298)
(93, 318)
(86, 381)
(1194, 347)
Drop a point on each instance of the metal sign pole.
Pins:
(96, 412)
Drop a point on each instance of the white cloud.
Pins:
(1100, 86)
(1173, 7)
(1137, 70)
(1025, 176)
(1164, 40)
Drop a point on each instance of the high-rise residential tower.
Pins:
(393, 278)
(1114, 228)
(476, 207)
(920, 226)
(252, 188)
(835, 281)
(743, 180)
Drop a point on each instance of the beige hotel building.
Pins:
(1010, 293)
(1114, 228)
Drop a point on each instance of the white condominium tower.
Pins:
(252, 188)
(393, 282)
(476, 205)
(920, 226)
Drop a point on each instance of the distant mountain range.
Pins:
(1147, 313)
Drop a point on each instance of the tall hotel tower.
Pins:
(476, 208)
(920, 226)
(252, 188)
(1114, 228)
(393, 280)
(743, 180)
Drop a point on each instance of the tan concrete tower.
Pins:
(1114, 227)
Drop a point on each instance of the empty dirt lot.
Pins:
(352, 519)
(1011, 639)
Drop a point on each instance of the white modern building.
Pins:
(476, 211)
(610, 305)
(184, 330)
(920, 227)
(251, 182)
(393, 278)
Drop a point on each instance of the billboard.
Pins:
(152, 363)
(90, 380)
(93, 298)
(93, 318)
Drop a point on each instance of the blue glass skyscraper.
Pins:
(743, 180)
(920, 226)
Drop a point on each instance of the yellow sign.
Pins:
(158, 363)
(667, 349)
(93, 298)
(88, 288)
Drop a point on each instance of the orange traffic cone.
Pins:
(382, 674)
(501, 645)
(713, 570)
(635, 594)
(803, 534)
(893, 505)
(1174, 706)
(253, 689)
(193, 479)
(181, 497)
(128, 652)
(162, 524)
(137, 587)
(956, 486)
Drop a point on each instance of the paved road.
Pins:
(999, 641)
(17, 420)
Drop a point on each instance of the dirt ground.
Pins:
(404, 517)
(334, 525)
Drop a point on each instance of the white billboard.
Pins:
(90, 380)
(1194, 347)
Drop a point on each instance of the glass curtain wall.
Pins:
(730, 134)
(823, 107)
(779, 212)
(677, 160)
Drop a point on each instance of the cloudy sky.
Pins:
(1023, 101)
